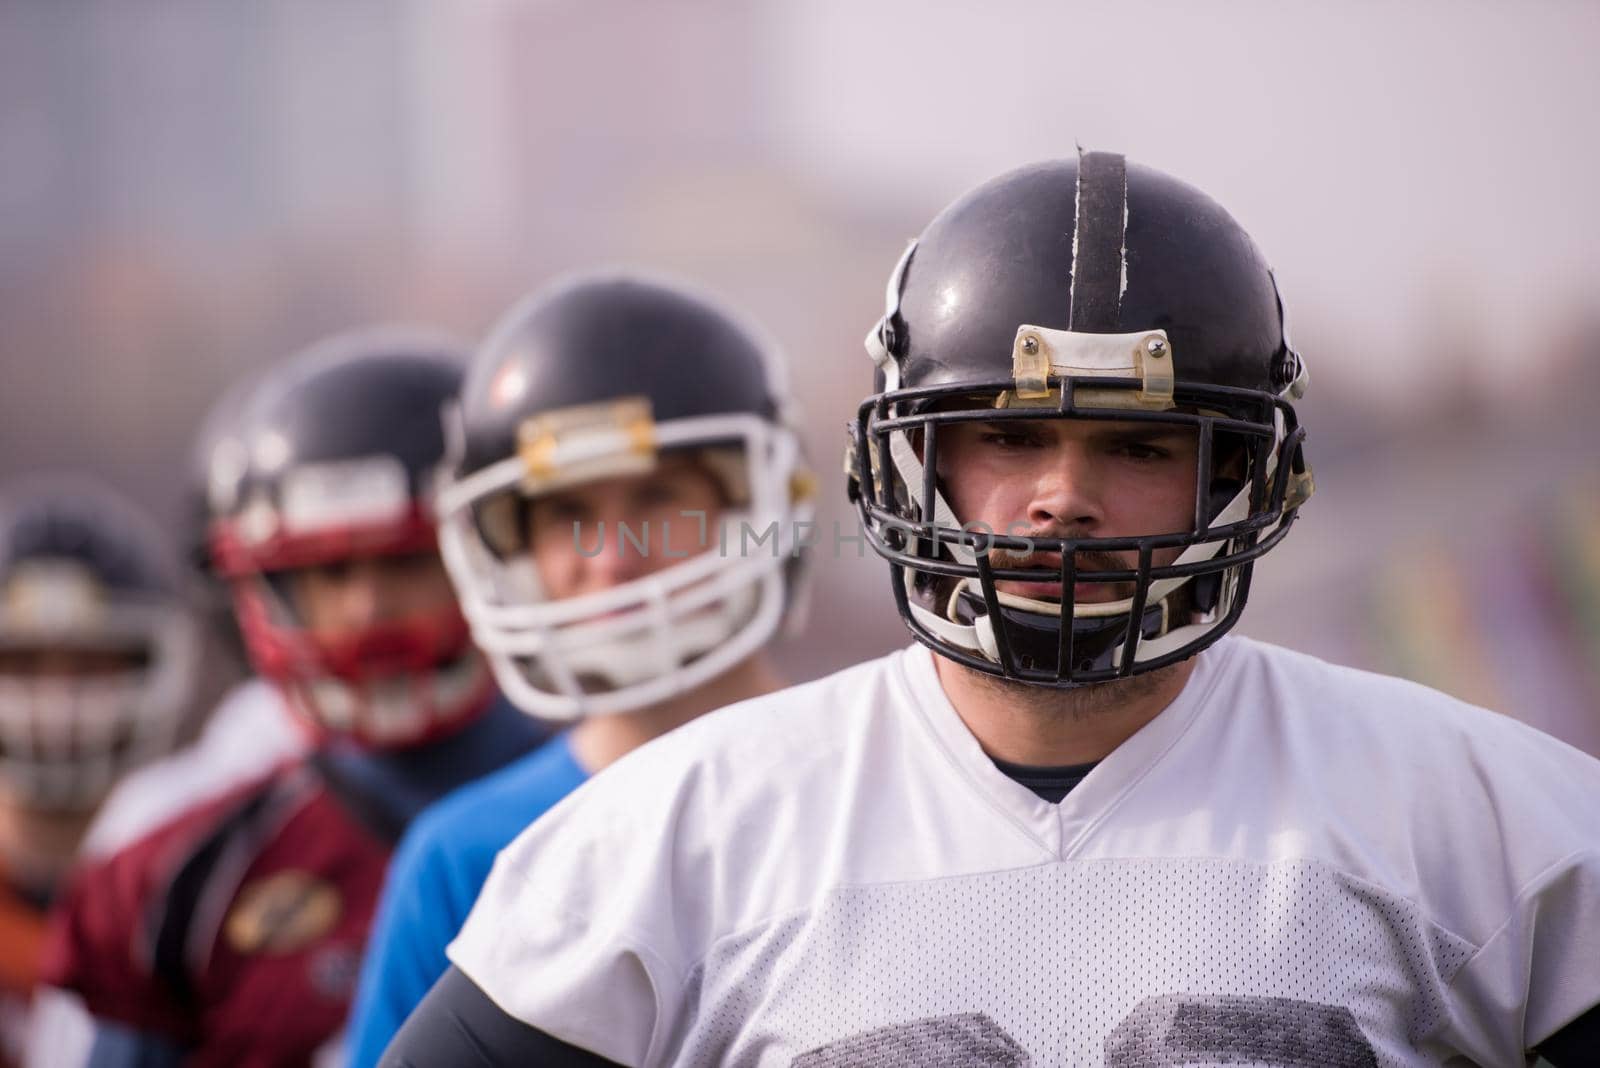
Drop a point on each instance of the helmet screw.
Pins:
(1156, 348)
(1030, 345)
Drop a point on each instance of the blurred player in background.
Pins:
(231, 934)
(603, 403)
(1078, 823)
(251, 728)
(97, 662)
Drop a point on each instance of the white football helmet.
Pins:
(600, 377)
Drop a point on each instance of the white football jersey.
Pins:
(1294, 864)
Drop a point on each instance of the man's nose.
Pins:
(1068, 494)
(366, 598)
(624, 552)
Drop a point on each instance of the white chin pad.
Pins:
(642, 646)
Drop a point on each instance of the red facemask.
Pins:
(394, 684)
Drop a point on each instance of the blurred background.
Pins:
(193, 188)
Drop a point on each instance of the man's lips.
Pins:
(1082, 592)
(1049, 564)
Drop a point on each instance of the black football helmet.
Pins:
(1082, 289)
(591, 378)
(335, 458)
(97, 651)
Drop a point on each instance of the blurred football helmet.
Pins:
(216, 464)
(1084, 289)
(334, 461)
(216, 467)
(97, 654)
(594, 378)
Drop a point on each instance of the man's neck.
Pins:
(601, 740)
(1042, 727)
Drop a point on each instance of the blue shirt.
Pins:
(433, 881)
(389, 788)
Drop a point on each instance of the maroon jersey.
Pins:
(234, 931)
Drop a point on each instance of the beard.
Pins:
(1079, 702)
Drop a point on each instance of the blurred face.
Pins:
(1067, 478)
(342, 599)
(67, 709)
(566, 527)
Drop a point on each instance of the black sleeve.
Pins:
(459, 1026)
(1576, 1045)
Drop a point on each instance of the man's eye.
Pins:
(1007, 439)
(1138, 450)
(333, 570)
(657, 494)
(561, 511)
(414, 563)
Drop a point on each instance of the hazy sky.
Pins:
(1399, 163)
(189, 188)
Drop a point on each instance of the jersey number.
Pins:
(1168, 1031)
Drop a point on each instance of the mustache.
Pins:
(1085, 559)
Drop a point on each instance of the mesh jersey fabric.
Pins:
(1293, 861)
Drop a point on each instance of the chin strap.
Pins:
(880, 338)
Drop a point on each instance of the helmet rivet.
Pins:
(1156, 348)
(1030, 345)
